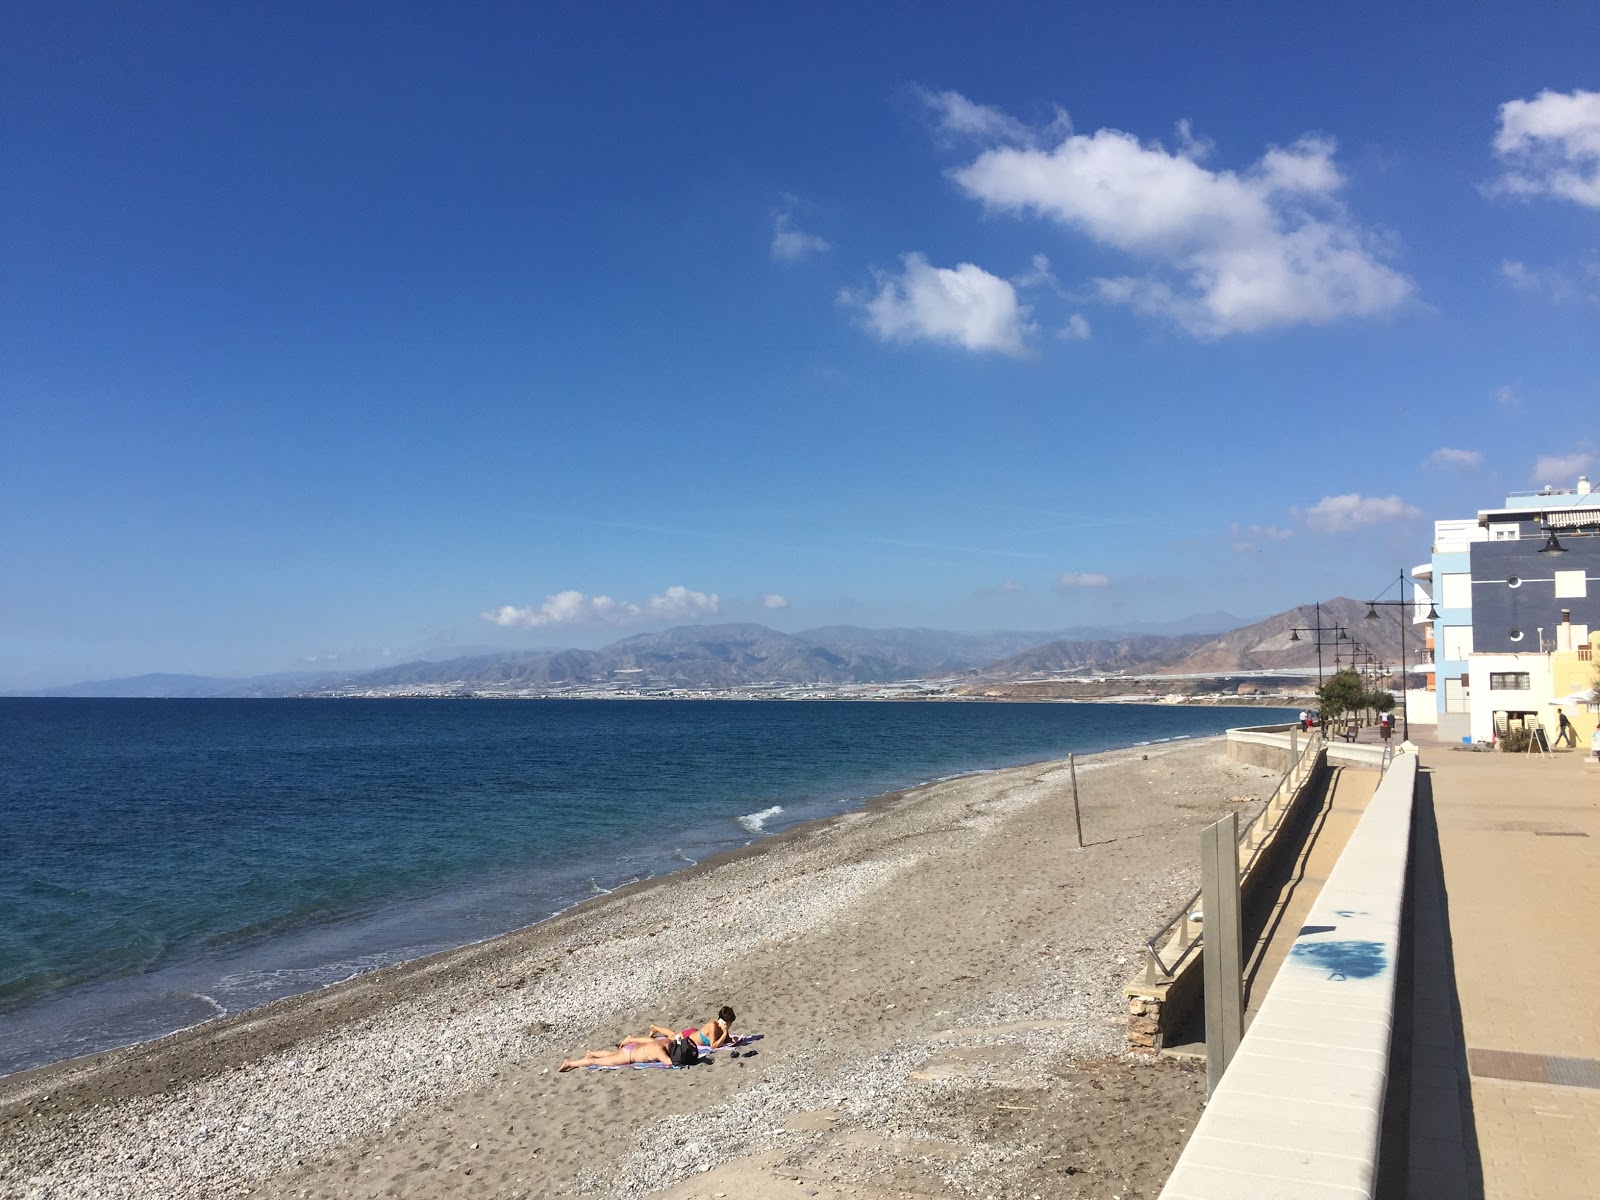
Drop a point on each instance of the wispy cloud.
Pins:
(1561, 469)
(942, 546)
(1228, 252)
(1550, 146)
(1552, 283)
(1344, 514)
(1445, 456)
(961, 306)
(1007, 588)
(574, 608)
(348, 658)
(1072, 580)
(773, 600)
(1075, 330)
(790, 244)
(1507, 398)
(1248, 538)
(955, 116)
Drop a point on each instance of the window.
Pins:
(1571, 585)
(1455, 696)
(1455, 590)
(1508, 681)
(1513, 581)
(1503, 532)
(1515, 635)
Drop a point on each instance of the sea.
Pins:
(167, 862)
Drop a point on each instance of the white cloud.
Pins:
(1444, 456)
(1342, 514)
(1251, 537)
(575, 608)
(1075, 330)
(773, 600)
(1506, 397)
(1554, 283)
(1082, 579)
(1550, 146)
(955, 115)
(1518, 275)
(1561, 470)
(964, 306)
(1038, 274)
(790, 244)
(1229, 252)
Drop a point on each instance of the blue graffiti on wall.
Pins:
(1344, 960)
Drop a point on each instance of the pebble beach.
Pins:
(936, 979)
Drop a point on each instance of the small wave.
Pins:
(693, 862)
(756, 822)
(597, 889)
(221, 1011)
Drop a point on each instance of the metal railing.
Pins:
(1251, 838)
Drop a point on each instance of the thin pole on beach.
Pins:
(1077, 816)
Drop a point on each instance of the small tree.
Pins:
(1380, 700)
(1342, 693)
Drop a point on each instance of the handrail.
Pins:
(1293, 778)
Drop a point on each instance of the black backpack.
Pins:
(683, 1053)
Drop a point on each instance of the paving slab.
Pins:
(1518, 842)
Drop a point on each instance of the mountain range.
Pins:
(709, 658)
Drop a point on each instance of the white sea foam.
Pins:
(756, 822)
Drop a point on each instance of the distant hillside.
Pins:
(701, 657)
(1269, 645)
(732, 656)
(194, 687)
(923, 652)
(1098, 657)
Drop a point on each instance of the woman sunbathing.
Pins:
(647, 1051)
(714, 1034)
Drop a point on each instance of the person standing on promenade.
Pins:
(1305, 720)
(1565, 731)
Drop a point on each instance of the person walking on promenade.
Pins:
(1305, 720)
(1565, 731)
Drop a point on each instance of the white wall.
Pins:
(1486, 702)
(1422, 706)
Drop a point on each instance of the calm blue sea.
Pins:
(168, 861)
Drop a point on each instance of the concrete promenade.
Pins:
(1502, 1069)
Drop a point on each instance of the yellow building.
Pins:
(1573, 674)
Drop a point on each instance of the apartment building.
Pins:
(1514, 616)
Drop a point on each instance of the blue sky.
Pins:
(331, 337)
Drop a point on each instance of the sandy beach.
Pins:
(937, 982)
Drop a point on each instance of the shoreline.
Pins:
(462, 1023)
(198, 988)
(476, 953)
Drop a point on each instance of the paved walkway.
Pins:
(1271, 925)
(1503, 1067)
(1349, 791)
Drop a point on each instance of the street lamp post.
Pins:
(1372, 615)
(1319, 629)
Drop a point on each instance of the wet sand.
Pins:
(937, 979)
